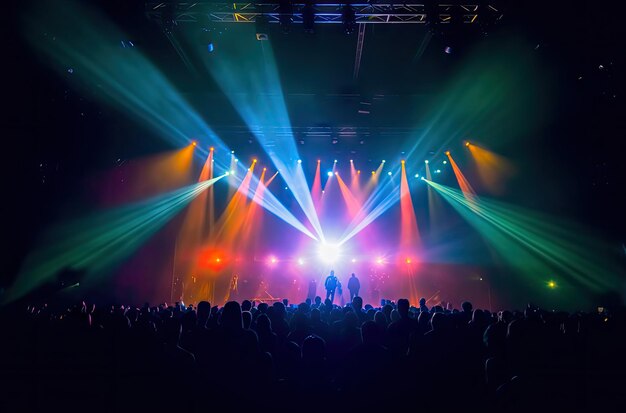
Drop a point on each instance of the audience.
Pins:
(311, 357)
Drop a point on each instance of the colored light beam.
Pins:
(410, 240)
(537, 244)
(465, 186)
(493, 169)
(316, 188)
(378, 203)
(263, 105)
(125, 79)
(137, 179)
(97, 242)
(353, 205)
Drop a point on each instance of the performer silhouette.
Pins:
(330, 284)
(354, 285)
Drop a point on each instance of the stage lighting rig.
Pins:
(348, 18)
(308, 18)
(285, 13)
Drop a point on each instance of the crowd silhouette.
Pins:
(314, 356)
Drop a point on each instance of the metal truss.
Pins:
(208, 12)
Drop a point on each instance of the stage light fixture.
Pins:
(438, 171)
(423, 178)
(232, 151)
(329, 173)
(445, 162)
(467, 144)
(254, 160)
(448, 153)
(384, 161)
(236, 160)
(227, 173)
(353, 260)
(408, 260)
(265, 169)
(351, 161)
(417, 175)
(426, 161)
(402, 161)
(211, 149)
(551, 284)
(232, 172)
(380, 260)
(358, 172)
(194, 143)
(373, 172)
(218, 260)
(335, 161)
(389, 173)
(273, 260)
(337, 173)
(299, 160)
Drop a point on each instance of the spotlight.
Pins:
(318, 161)
(423, 178)
(467, 143)
(337, 173)
(389, 173)
(194, 143)
(226, 173)
(299, 160)
(211, 149)
(402, 161)
(384, 161)
(236, 160)
(335, 161)
(551, 284)
(373, 172)
(273, 260)
(448, 50)
(329, 173)
(328, 253)
(300, 261)
(265, 169)
(417, 175)
(445, 162)
(353, 260)
(426, 161)
(350, 160)
(232, 151)
(358, 172)
(380, 260)
(408, 260)
(447, 153)
(438, 171)
(254, 160)
(232, 172)
(218, 259)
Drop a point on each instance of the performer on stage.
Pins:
(330, 285)
(353, 286)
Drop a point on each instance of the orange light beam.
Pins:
(353, 205)
(465, 186)
(410, 239)
(493, 169)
